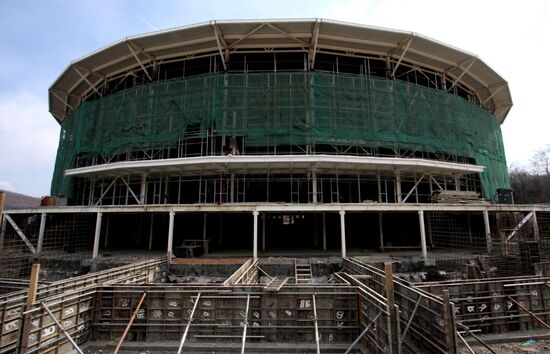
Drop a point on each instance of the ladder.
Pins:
(302, 270)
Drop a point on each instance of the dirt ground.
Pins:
(529, 346)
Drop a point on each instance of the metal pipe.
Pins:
(61, 328)
(316, 325)
(362, 334)
(476, 337)
(245, 324)
(129, 323)
(465, 343)
(189, 323)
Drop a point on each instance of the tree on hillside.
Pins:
(532, 185)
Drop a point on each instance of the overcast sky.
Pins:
(39, 38)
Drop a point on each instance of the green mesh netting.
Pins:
(271, 109)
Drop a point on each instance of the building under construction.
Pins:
(276, 186)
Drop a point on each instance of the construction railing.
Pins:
(417, 321)
(498, 305)
(12, 305)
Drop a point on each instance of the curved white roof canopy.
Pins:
(222, 38)
(261, 164)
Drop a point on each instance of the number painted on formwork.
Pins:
(48, 331)
(10, 326)
(305, 303)
(339, 314)
(482, 307)
(140, 314)
(68, 311)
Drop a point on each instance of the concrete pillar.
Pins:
(343, 232)
(324, 232)
(41, 233)
(487, 229)
(314, 186)
(422, 234)
(263, 232)
(169, 251)
(255, 233)
(381, 231)
(97, 234)
(398, 186)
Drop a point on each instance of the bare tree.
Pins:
(540, 162)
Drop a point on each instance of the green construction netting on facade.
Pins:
(270, 109)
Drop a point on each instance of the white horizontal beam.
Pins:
(278, 207)
(230, 162)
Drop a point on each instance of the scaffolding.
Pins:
(277, 114)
